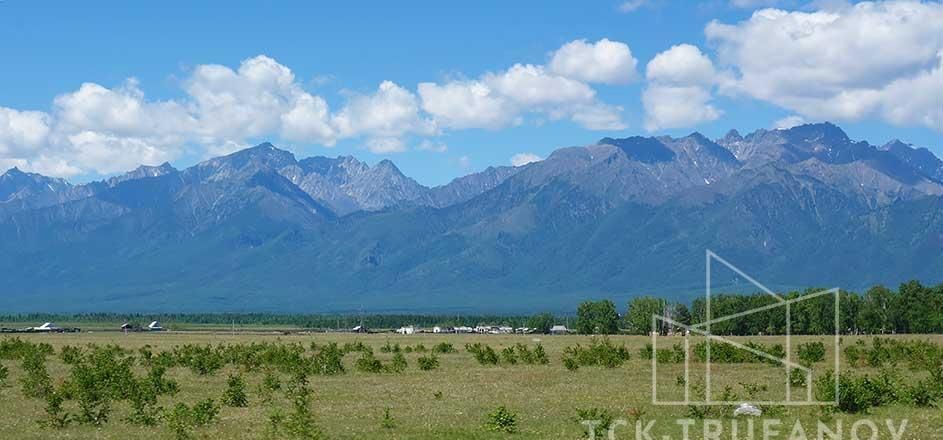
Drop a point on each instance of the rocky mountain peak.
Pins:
(732, 136)
(642, 149)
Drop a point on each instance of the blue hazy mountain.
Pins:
(261, 230)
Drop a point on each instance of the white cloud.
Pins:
(122, 111)
(870, 60)
(467, 104)
(631, 5)
(558, 91)
(386, 145)
(529, 85)
(788, 122)
(679, 91)
(308, 120)
(21, 131)
(522, 159)
(434, 146)
(391, 111)
(100, 130)
(677, 106)
(105, 153)
(241, 104)
(598, 116)
(605, 61)
(682, 64)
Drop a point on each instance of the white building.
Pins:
(46, 327)
(406, 330)
(154, 327)
(559, 330)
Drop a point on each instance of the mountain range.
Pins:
(260, 230)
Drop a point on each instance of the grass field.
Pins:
(450, 402)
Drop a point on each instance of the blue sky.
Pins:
(338, 57)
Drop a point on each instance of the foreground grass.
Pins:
(450, 402)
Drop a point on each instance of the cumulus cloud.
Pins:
(391, 111)
(21, 132)
(308, 120)
(677, 106)
(522, 159)
(681, 64)
(467, 104)
(557, 91)
(102, 130)
(870, 60)
(605, 61)
(680, 83)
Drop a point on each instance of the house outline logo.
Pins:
(704, 330)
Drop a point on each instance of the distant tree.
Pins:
(638, 317)
(597, 317)
(874, 315)
(541, 322)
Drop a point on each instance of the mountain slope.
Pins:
(260, 230)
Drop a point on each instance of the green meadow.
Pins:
(451, 398)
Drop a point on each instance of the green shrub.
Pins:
(182, 419)
(812, 352)
(300, 423)
(859, 394)
(797, 377)
(143, 400)
(387, 422)
(540, 355)
(731, 354)
(329, 360)
(56, 417)
(427, 363)
(398, 364)
(70, 355)
(269, 385)
(502, 420)
(36, 382)
(599, 353)
(484, 354)
(4, 375)
(205, 412)
(368, 363)
(508, 356)
(571, 364)
(443, 348)
(235, 395)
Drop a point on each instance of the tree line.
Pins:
(912, 308)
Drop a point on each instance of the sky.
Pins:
(91, 89)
